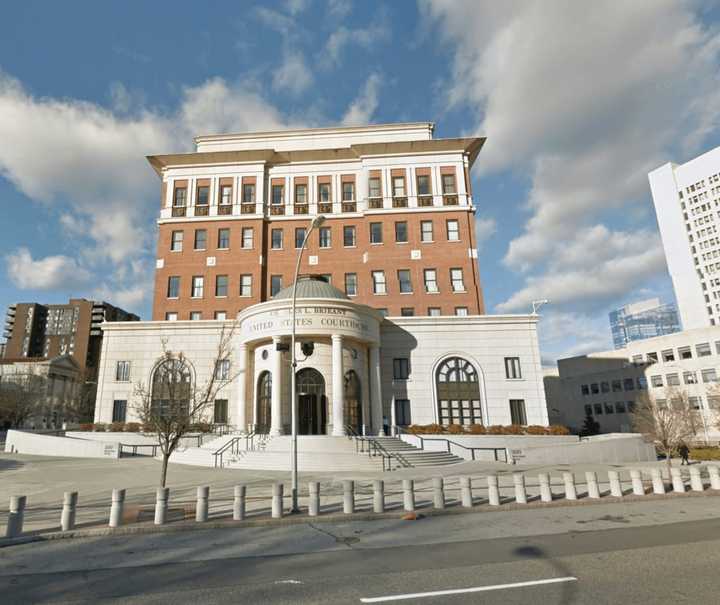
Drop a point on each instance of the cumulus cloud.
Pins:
(363, 37)
(485, 228)
(293, 75)
(363, 107)
(49, 273)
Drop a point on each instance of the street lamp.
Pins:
(316, 222)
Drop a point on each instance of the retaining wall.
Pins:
(47, 445)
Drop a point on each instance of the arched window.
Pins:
(353, 402)
(264, 402)
(458, 392)
(171, 388)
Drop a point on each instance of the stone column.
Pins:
(241, 388)
(365, 394)
(277, 381)
(375, 391)
(338, 387)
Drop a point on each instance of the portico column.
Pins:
(276, 401)
(338, 387)
(376, 390)
(241, 393)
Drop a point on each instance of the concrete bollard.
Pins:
(378, 496)
(438, 492)
(67, 517)
(657, 481)
(348, 496)
(277, 500)
(696, 482)
(592, 484)
(408, 486)
(493, 490)
(201, 504)
(615, 485)
(520, 493)
(162, 495)
(677, 480)
(466, 492)
(314, 498)
(116, 508)
(569, 481)
(545, 493)
(637, 484)
(239, 502)
(16, 516)
(714, 473)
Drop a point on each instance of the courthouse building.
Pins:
(391, 324)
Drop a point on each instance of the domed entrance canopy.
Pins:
(311, 286)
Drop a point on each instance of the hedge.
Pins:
(495, 429)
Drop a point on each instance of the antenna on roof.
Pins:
(536, 304)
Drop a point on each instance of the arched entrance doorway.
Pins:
(312, 403)
(458, 393)
(353, 401)
(264, 402)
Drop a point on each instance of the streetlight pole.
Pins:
(316, 222)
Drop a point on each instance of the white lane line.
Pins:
(439, 593)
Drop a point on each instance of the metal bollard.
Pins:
(277, 500)
(677, 480)
(348, 496)
(637, 484)
(466, 492)
(67, 518)
(16, 516)
(201, 504)
(615, 485)
(438, 492)
(378, 496)
(493, 490)
(116, 508)
(239, 502)
(714, 473)
(408, 486)
(592, 484)
(162, 495)
(520, 494)
(696, 482)
(545, 493)
(657, 481)
(314, 498)
(570, 491)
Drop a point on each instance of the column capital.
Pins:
(277, 339)
(337, 337)
(242, 346)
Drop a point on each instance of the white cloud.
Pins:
(363, 107)
(293, 75)
(485, 228)
(295, 7)
(49, 273)
(339, 8)
(363, 37)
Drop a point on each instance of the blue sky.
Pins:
(578, 102)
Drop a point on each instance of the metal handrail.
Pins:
(374, 449)
(450, 444)
(231, 445)
(135, 446)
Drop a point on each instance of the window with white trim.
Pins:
(378, 279)
(456, 279)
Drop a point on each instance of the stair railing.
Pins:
(451, 444)
(232, 446)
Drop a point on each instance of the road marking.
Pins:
(439, 593)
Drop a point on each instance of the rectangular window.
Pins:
(685, 353)
(348, 192)
(517, 412)
(325, 237)
(299, 237)
(401, 232)
(588, 410)
(277, 195)
(276, 239)
(246, 285)
(376, 235)
(122, 371)
(378, 278)
(248, 194)
(637, 359)
(616, 386)
(195, 315)
(275, 284)
(349, 236)
(180, 196)
(673, 380)
(594, 388)
(398, 186)
(374, 188)
(402, 412)
(709, 375)
(247, 238)
(628, 384)
(203, 195)
(694, 403)
(426, 231)
(642, 383)
(512, 368)
(404, 281)
(301, 194)
(220, 411)
(604, 387)
(225, 194)
(656, 380)
(434, 311)
(173, 289)
(456, 278)
(223, 239)
(619, 407)
(689, 378)
(171, 316)
(430, 276)
(461, 311)
(423, 185)
(222, 369)
(200, 239)
(668, 355)
(407, 311)
(652, 357)
(703, 349)
(221, 285)
(598, 409)
(198, 284)
(585, 389)
(176, 242)
(324, 192)
(220, 315)
(609, 408)
(351, 284)
(453, 230)
(448, 184)
(401, 368)
(119, 413)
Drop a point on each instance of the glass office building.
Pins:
(644, 319)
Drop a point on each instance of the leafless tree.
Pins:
(22, 396)
(173, 402)
(667, 422)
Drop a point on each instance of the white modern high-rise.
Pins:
(687, 204)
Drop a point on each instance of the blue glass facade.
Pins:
(628, 326)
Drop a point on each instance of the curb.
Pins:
(304, 518)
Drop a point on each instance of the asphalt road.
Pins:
(671, 563)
